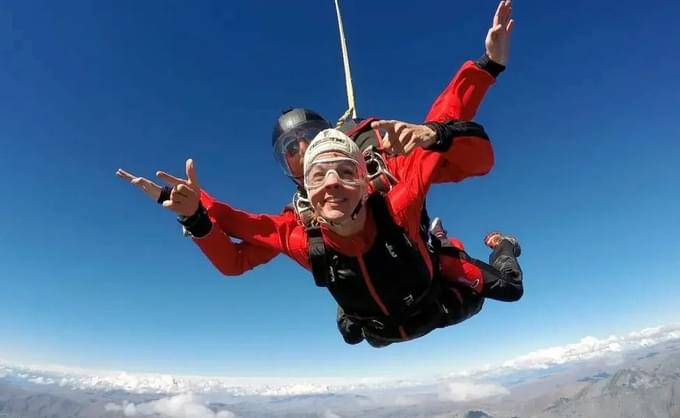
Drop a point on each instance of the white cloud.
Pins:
(181, 406)
(330, 414)
(148, 383)
(40, 380)
(461, 391)
(591, 347)
(610, 348)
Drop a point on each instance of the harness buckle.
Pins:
(378, 174)
(303, 209)
(377, 324)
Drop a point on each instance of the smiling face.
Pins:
(335, 186)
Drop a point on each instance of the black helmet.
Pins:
(295, 118)
(293, 127)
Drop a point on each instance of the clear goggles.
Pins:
(290, 147)
(346, 170)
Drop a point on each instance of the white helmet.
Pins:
(333, 140)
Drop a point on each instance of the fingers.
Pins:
(503, 12)
(401, 138)
(191, 172)
(184, 191)
(183, 197)
(185, 206)
(391, 141)
(502, 15)
(147, 186)
(140, 182)
(125, 175)
(506, 13)
(144, 183)
(191, 179)
(406, 140)
(410, 145)
(177, 197)
(384, 124)
(510, 26)
(393, 144)
(497, 15)
(170, 179)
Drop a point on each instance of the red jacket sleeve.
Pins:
(235, 258)
(263, 236)
(469, 154)
(462, 97)
(467, 157)
(460, 100)
(418, 170)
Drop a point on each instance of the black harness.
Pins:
(415, 301)
(393, 270)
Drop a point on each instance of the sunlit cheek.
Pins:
(316, 197)
(354, 193)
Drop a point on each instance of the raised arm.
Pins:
(463, 95)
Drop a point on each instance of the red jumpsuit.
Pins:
(364, 250)
(460, 100)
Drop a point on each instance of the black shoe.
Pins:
(493, 239)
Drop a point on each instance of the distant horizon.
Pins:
(587, 348)
(592, 377)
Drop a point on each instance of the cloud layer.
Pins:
(586, 349)
(458, 386)
(181, 406)
(463, 391)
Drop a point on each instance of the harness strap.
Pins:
(402, 246)
(317, 255)
(363, 126)
(427, 314)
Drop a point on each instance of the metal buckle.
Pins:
(376, 161)
(377, 324)
(303, 209)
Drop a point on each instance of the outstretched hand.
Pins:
(498, 38)
(185, 196)
(147, 186)
(401, 138)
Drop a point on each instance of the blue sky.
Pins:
(95, 275)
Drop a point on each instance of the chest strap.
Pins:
(317, 255)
